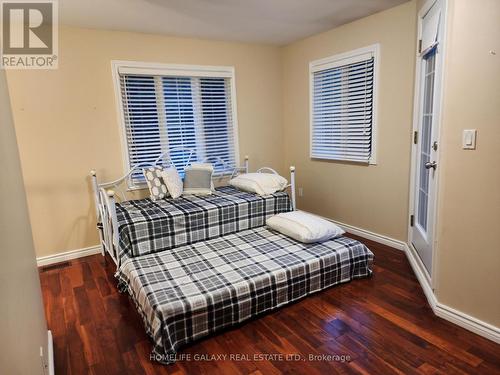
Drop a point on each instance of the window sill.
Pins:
(344, 160)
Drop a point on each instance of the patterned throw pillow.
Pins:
(173, 181)
(157, 187)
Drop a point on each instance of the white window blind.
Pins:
(342, 106)
(167, 112)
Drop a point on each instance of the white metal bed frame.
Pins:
(106, 194)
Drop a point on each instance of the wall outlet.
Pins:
(43, 363)
(301, 192)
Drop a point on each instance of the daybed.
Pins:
(198, 264)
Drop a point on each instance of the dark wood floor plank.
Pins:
(77, 360)
(426, 334)
(402, 343)
(91, 344)
(381, 338)
(383, 324)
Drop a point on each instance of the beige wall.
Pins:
(66, 120)
(371, 197)
(22, 319)
(71, 126)
(468, 246)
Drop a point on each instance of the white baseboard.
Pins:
(446, 312)
(422, 275)
(50, 352)
(468, 322)
(68, 255)
(380, 238)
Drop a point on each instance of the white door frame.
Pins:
(431, 278)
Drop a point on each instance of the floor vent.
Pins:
(55, 266)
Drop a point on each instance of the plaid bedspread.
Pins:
(195, 290)
(147, 227)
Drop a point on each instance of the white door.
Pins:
(426, 132)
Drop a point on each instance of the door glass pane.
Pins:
(425, 144)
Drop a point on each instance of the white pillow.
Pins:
(304, 227)
(260, 183)
(173, 181)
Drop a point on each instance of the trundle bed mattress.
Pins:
(146, 226)
(192, 291)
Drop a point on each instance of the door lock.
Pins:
(430, 165)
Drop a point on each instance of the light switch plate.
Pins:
(469, 139)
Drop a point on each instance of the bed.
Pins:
(138, 227)
(147, 227)
(192, 291)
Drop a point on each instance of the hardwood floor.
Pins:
(382, 324)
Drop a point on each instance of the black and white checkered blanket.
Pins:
(147, 227)
(189, 292)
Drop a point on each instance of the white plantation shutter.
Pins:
(163, 112)
(342, 106)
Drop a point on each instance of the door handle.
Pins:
(430, 165)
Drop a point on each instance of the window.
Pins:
(343, 106)
(171, 109)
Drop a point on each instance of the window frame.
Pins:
(178, 70)
(339, 60)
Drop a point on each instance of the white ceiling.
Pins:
(264, 21)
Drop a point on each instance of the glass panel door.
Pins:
(425, 144)
(425, 150)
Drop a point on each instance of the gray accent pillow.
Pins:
(197, 181)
